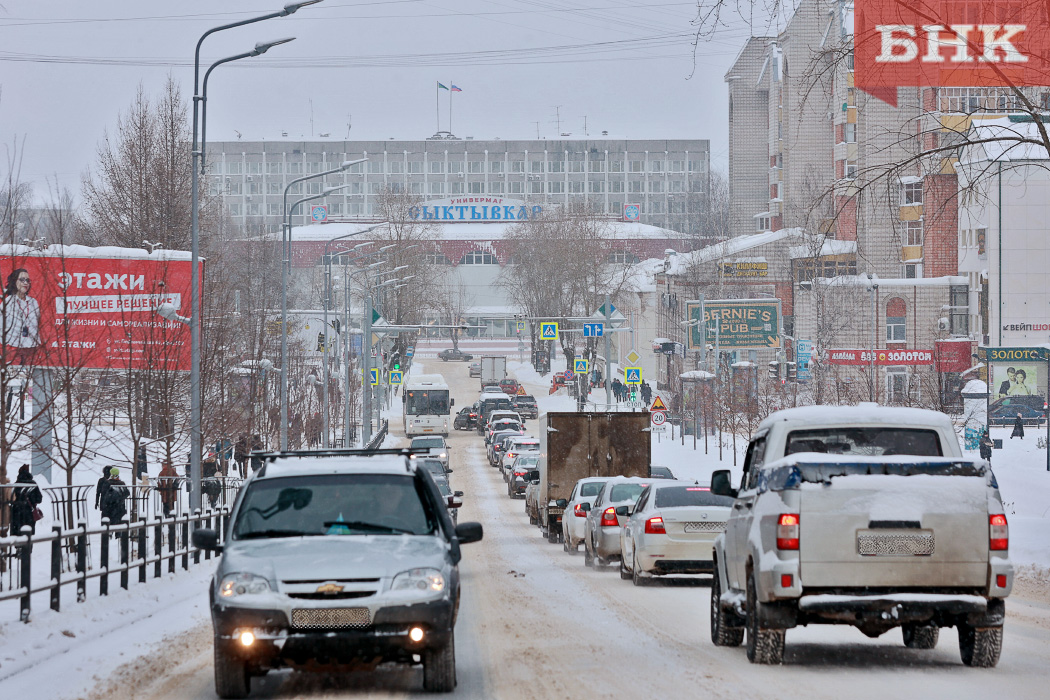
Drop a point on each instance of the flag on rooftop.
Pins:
(442, 86)
(455, 89)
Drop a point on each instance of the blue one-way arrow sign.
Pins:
(592, 330)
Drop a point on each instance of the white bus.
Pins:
(427, 405)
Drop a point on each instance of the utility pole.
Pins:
(607, 331)
(366, 377)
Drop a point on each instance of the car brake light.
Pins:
(579, 512)
(787, 531)
(609, 517)
(655, 526)
(998, 533)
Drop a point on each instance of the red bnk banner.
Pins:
(95, 312)
(949, 43)
(882, 357)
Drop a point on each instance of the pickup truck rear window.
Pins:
(865, 442)
(682, 496)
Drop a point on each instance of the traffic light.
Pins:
(395, 361)
(791, 371)
(774, 370)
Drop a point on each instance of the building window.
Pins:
(535, 166)
(496, 187)
(415, 167)
(851, 133)
(475, 188)
(636, 186)
(455, 167)
(616, 185)
(397, 167)
(656, 186)
(517, 166)
(536, 187)
(437, 259)
(375, 166)
(656, 166)
(637, 166)
(896, 316)
(596, 166)
(576, 187)
(479, 257)
(911, 193)
(959, 303)
(455, 187)
(913, 271)
(557, 187)
(597, 186)
(437, 188)
(622, 257)
(576, 166)
(516, 187)
(437, 167)
(896, 385)
(496, 167)
(913, 232)
(615, 166)
(416, 188)
(555, 166)
(476, 166)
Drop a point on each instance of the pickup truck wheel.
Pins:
(439, 668)
(980, 646)
(920, 636)
(722, 635)
(624, 573)
(764, 646)
(231, 675)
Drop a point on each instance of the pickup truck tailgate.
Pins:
(870, 530)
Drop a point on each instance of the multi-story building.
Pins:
(667, 179)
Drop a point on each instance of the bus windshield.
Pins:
(427, 402)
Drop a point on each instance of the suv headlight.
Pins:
(234, 585)
(423, 581)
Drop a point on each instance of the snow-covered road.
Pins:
(536, 623)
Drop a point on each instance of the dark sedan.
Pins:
(454, 354)
(466, 419)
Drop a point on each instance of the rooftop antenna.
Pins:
(585, 125)
(347, 126)
(238, 134)
(537, 130)
(311, 118)
(557, 117)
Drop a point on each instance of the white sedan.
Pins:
(672, 531)
(574, 522)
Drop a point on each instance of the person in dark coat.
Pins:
(101, 487)
(210, 485)
(1018, 428)
(240, 455)
(24, 500)
(985, 445)
(647, 393)
(617, 388)
(168, 486)
(114, 503)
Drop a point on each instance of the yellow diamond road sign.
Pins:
(633, 357)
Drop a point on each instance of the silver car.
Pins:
(518, 473)
(601, 542)
(332, 560)
(574, 522)
(672, 531)
(435, 445)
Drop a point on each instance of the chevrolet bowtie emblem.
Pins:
(330, 588)
(702, 515)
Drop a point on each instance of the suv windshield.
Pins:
(865, 442)
(337, 504)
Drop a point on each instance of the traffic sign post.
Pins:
(395, 378)
(580, 366)
(658, 405)
(521, 326)
(319, 213)
(373, 376)
(659, 418)
(632, 375)
(409, 352)
(568, 374)
(549, 330)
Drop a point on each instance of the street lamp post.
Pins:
(197, 155)
(286, 263)
(873, 287)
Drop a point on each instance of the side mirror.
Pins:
(561, 503)
(534, 475)
(585, 507)
(457, 493)
(451, 402)
(448, 471)
(623, 511)
(454, 502)
(206, 539)
(721, 485)
(469, 532)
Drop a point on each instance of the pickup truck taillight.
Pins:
(787, 531)
(609, 517)
(655, 526)
(998, 533)
(578, 511)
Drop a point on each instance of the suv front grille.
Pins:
(332, 596)
(331, 618)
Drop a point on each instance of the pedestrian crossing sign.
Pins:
(632, 375)
(580, 366)
(395, 377)
(549, 330)
(374, 376)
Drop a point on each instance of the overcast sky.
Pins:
(367, 68)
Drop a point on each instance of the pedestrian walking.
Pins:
(24, 502)
(1018, 428)
(647, 393)
(617, 388)
(240, 455)
(985, 445)
(101, 488)
(114, 503)
(210, 485)
(168, 487)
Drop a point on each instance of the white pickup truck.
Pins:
(866, 516)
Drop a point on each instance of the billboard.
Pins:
(881, 357)
(94, 308)
(743, 324)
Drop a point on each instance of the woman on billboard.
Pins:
(21, 319)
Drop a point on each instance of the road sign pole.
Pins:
(608, 360)
(366, 372)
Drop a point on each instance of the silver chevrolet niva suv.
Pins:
(332, 560)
